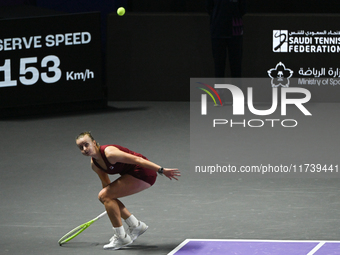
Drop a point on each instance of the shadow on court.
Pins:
(140, 248)
(75, 245)
(47, 113)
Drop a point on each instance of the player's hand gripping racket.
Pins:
(76, 231)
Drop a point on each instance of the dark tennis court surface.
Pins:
(47, 187)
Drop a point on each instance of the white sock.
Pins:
(132, 221)
(120, 231)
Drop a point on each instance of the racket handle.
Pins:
(101, 215)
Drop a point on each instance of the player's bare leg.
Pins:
(123, 186)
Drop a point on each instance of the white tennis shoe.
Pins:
(134, 232)
(117, 242)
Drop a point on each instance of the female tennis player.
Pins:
(137, 174)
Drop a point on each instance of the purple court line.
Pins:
(249, 247)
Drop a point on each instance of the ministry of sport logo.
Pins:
(280, 75)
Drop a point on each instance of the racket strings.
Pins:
(76, 231)
(73, 233)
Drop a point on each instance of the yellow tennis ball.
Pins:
(121, 11)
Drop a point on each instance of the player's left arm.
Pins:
(114, 155)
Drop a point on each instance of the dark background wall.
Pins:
(293, 6)
(153, 56)
(107, 6)
(265, 6)
(172, 38)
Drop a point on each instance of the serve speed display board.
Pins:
(50, 60)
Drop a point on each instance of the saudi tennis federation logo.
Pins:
(280, 40)
(280, 75)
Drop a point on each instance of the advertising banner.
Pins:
(308, 45)
(50, 60)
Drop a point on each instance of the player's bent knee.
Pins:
(102, 196)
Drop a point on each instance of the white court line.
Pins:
(320, 243)
(180, 246)
(316, 248)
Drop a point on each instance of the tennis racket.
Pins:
(76, 231)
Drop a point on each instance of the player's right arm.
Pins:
(104, 177)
